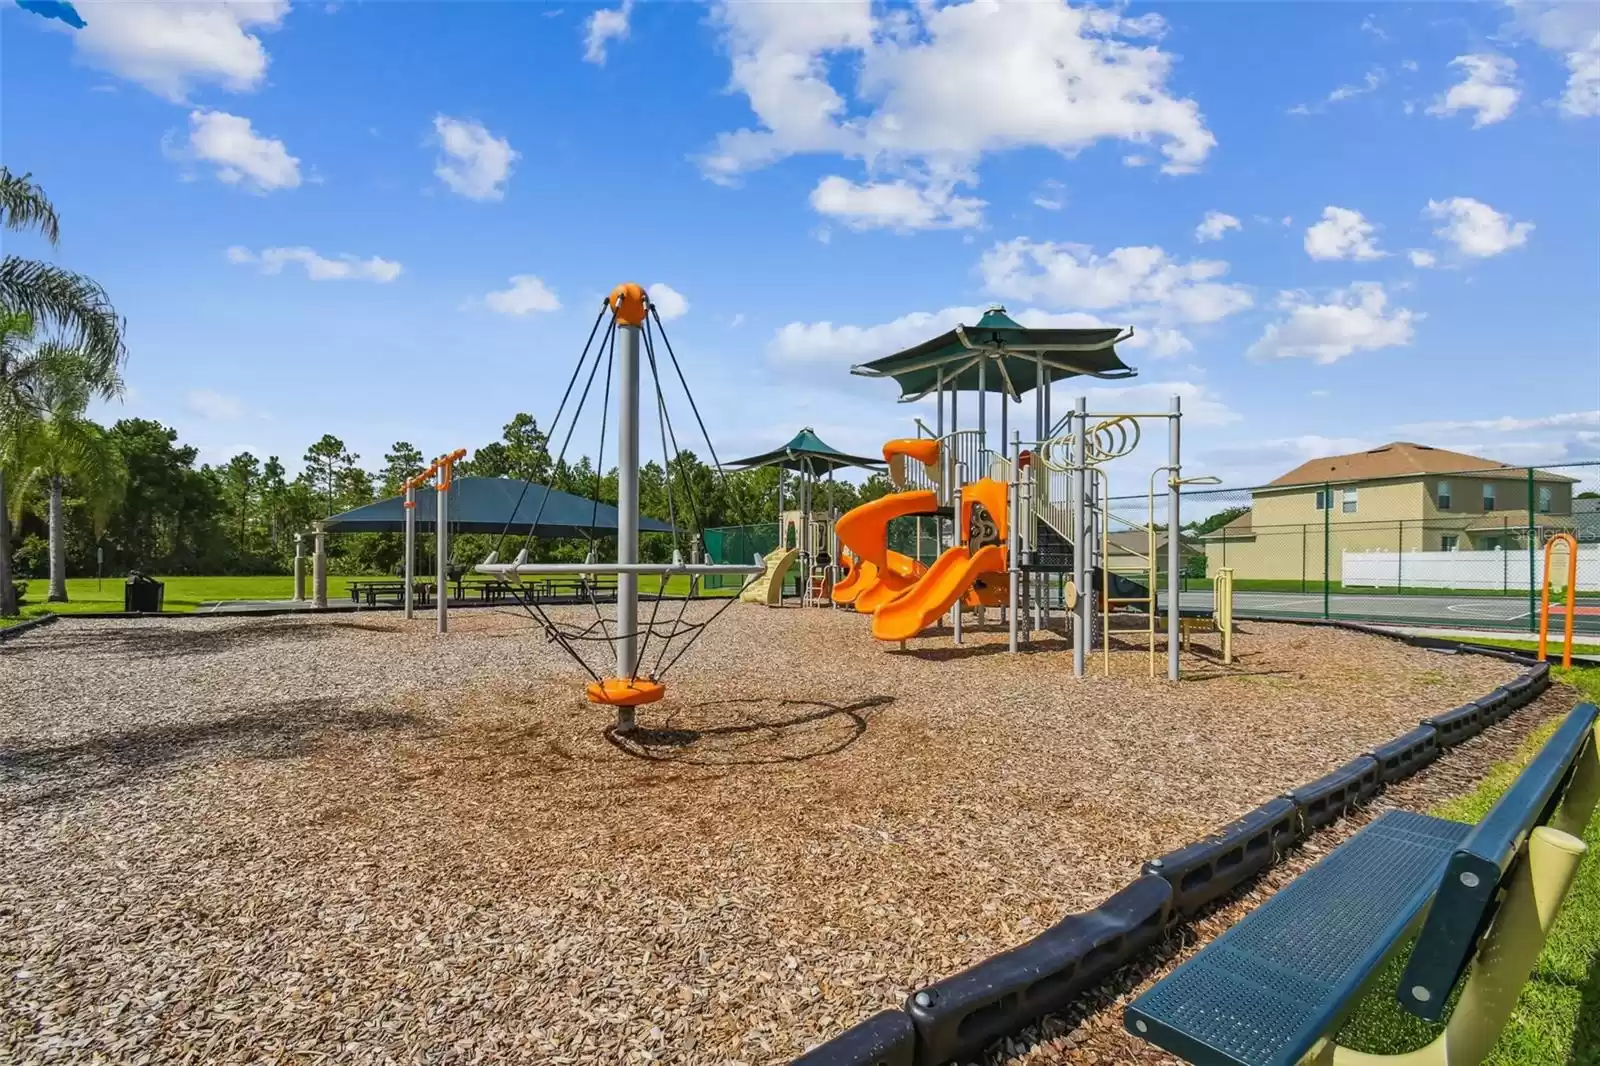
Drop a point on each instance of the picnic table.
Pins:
(386, 589)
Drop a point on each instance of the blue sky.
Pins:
(1330, 225)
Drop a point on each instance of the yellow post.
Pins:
(1222, 610)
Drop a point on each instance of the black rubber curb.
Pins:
(12, 632)
(959, 1016)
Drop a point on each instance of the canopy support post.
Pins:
(983, 406)
(299, 568)
(319, 566)
(411, 548)
(1174, 487)
(628, 507)
(1080, 538)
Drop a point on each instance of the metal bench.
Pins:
(1274, 989)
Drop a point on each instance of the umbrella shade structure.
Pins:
(1015, 354)
(484, 504)
(806, 454)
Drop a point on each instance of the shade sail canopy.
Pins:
(484, 504)
(807, 454)
(1011, 355)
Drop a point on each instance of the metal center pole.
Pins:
(983, 410)
(627, 509)
(411, 545)
(441, 542)
(1174, 424)
(1081, 538)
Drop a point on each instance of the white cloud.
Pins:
(240, 155)
(526, 294)
(173, 46)
(1214, 225)
(1421, 257)
(1475, 228)
(1201, 406)
(474, 163)
(1370, 25)
(1145, 282)
(318, 267)
(824, 342)
(1572, 31)
(669, 302)
(1410, 66)
(897, 205)
(213, 405)
(1509, 423)
(604, 25)
(736, 321)
(1487, 89)
(1052, 196)
(1369, 83)
(1342, 234)
(920, 108)
(1354, 319)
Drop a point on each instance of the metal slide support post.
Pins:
(1079, 481)
(1174, 491)
(299, 568)
(411, 547)
(319, 566)
(1014, 535)
(441, 543)
(960, 475)
(628, 509)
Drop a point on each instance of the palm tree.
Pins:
(38, 294)
(58, 444)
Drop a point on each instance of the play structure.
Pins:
(1024, 527)
(442, 468)
(632, 329)
(806, 533)
(1569, 616)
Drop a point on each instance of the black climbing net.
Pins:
(670, 636)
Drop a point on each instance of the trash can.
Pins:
(143, 594)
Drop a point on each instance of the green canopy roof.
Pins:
(807, 454)
(483, 504)
(1012, 354)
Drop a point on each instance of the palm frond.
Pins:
(71, 303)
(24, 206)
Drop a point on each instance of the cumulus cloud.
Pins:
(213, 405)
(1486, 89)
(1421, 257)
(1342, 234)
(526, 295)
(1357, 318)
(602, 27)
(472, 161)
(1476, 229)
(669, 302)
(1510, 423)
(1145, 282)
(174, 46)
(895, 205)
(318, 267)
(1214, 225)
(1052, 196)
(237, 153)
(1572, 31)
(920, 109)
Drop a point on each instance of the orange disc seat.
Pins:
(623, 692)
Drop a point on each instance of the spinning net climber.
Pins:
(627, 655)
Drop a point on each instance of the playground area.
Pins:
(310, 836)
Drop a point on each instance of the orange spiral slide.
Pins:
(958, 571)
(884, 574)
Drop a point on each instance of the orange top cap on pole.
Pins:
(629, 303)
(446, 465)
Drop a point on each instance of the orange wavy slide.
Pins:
(920, 606)
(865, 531)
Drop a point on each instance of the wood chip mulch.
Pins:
(345, 839)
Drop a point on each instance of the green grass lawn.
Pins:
(1314, 586)
(1578, 648)
(185, 594)
(1557, 1017)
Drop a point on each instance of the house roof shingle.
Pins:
(1399, 459)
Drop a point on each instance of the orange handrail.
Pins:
(1572, 595)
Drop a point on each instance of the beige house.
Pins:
(1399, 497)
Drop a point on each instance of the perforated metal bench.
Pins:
(1273, 990)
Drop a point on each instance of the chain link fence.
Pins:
(1463, 549)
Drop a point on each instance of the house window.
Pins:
(1488, 497)
(1491, 544)
(1544, 499)
(1322, 499)
(1443, 496)
(1349, 501)
(1447, 543)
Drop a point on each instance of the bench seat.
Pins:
(1265, 991)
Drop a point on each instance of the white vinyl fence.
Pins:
(1494, 570)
